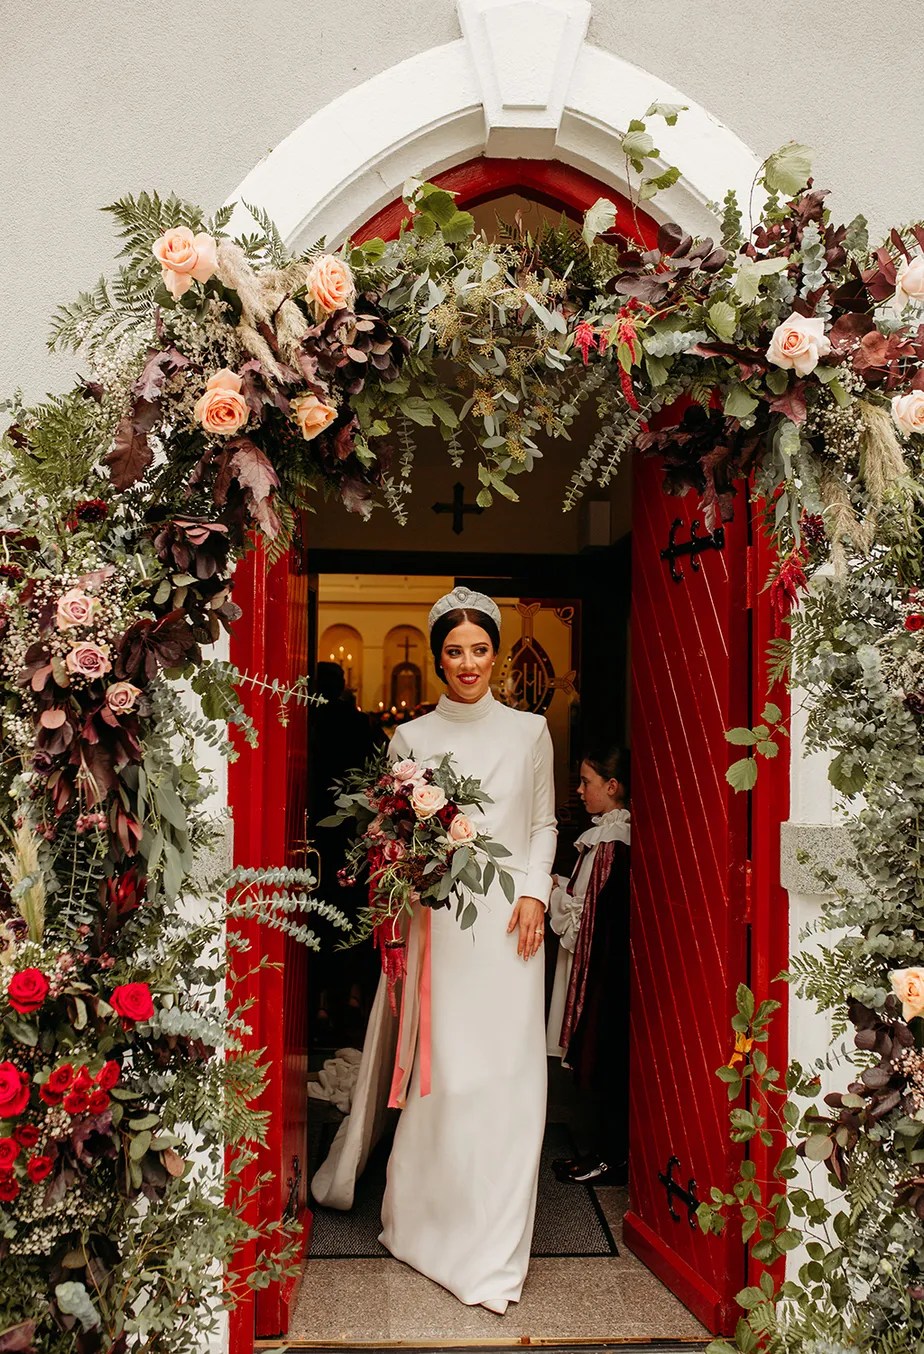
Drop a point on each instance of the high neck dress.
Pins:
(462, 1176)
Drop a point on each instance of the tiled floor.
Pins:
(616, 1297)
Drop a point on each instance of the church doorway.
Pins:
(663, 651)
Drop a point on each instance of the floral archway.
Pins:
(234, 386)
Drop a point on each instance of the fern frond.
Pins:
(273, 246)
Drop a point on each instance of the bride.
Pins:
(462, 1176)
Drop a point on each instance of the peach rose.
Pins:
(908, 986)
(88, 660)
(461, 829)
(909, 282)
(405, 770)
(75, 607)
(427, 800)
(908, 411)
(312, 415)
(222, 409)
(330, 284)
(799, 342)
(121, 697)
(184, 258)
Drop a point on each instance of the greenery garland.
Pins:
(232, 385)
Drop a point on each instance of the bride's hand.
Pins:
(529, 915)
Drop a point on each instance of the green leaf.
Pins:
(850, 782)
(750, 273)
(818, 1147)
(74, 1300)
(418, 410)
(506, 883)
(458, 230)
(771, 714)
(445, 413)
(744, 738)
(723, 320)
(767, 748)
(140, 1145)
(742, 775)
(638, 144)
(787, 169)
(468, 916)
(656, 183)
(668, 111)
(739, 402)
(23, 1031)
(598, 219)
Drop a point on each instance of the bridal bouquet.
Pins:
(414, 844)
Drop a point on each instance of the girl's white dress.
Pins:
(565, 911)
(462, 1176)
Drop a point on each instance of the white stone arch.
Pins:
(522, 81)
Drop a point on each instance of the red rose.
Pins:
(915, 621)
(9, 1151)
(38, 1167)
(59, 1081)
(9, 1188)
(14, 1091)
(98, 1101)
(108, 1075)
(27, 1135)
(83, 1081)
(132, 1001)
(28, 989)
(76, 1102)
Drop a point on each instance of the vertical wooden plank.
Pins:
(689, 855)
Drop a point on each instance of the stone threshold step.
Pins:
(631, 1346)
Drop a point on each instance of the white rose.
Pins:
(799, 342)
(909, 282)
(908, 411)
(427, 800)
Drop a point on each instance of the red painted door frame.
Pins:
(261, 642)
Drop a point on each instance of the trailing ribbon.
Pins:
(415, 1019)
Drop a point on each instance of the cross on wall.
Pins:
(458, 507)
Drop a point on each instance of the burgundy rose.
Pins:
(14, 1091)
(108, 1075)
(76, 1102)
(9, 1188)
(27, 1135)
(13, 572)
(38, 1167)
(28, 990)
(446, 814)
(133, 1001)
(9, 1151)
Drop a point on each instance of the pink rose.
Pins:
(330, 284)
(121, 697)
(908, 411)
(909, 282)
(427, 799)
(184, 257)
(908, 986)
(799, 342)
(312, 415)
(461, 829)
(88, 660)
(222, 409)
(392, 851)
(405, 770)
(375, 827)
(75, 608)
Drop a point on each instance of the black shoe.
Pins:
(568, 1169)
(593, 1174)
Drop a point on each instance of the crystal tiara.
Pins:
(464, 599)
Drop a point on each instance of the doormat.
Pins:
(569, 1220)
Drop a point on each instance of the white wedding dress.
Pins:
(462, 1176)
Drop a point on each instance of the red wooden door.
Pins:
(271, 642)
(690, 674)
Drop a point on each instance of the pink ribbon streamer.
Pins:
(415, 1019)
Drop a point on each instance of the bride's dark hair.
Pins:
(449, 620)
